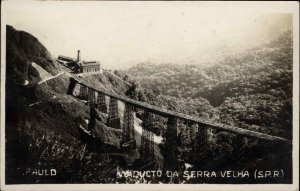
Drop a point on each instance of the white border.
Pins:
(290, 7)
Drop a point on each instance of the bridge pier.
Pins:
(101, 102)
(93, 115)
(201, 144)
(91, 96)
(128, 137)
(83, 91)
(238, 143)
(113, 115)
(147, 140)
(202, 135)
(171, 153)
(71, 87)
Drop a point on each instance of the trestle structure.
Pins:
(171, 156)
(83, 92)
(101, 103)
(170, 151)
(168, 113)
(93, 116)
(91, 96)
(201, 137)
(201, 142)
(113, 115)
(128, 136)
(147, 139)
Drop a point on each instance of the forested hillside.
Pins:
(251, 89)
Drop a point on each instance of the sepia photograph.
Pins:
(100, 95)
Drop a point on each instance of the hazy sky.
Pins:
(122, 34)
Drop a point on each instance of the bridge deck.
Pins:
(168, 113)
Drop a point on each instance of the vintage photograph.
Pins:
(149, 93)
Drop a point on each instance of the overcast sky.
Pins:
(122, 34)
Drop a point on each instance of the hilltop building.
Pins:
(79, 66)
(91, 66)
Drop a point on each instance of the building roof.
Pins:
(90, 63)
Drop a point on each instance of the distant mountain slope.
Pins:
(198, 81)
(262, 74)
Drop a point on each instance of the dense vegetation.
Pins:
(251, 89)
